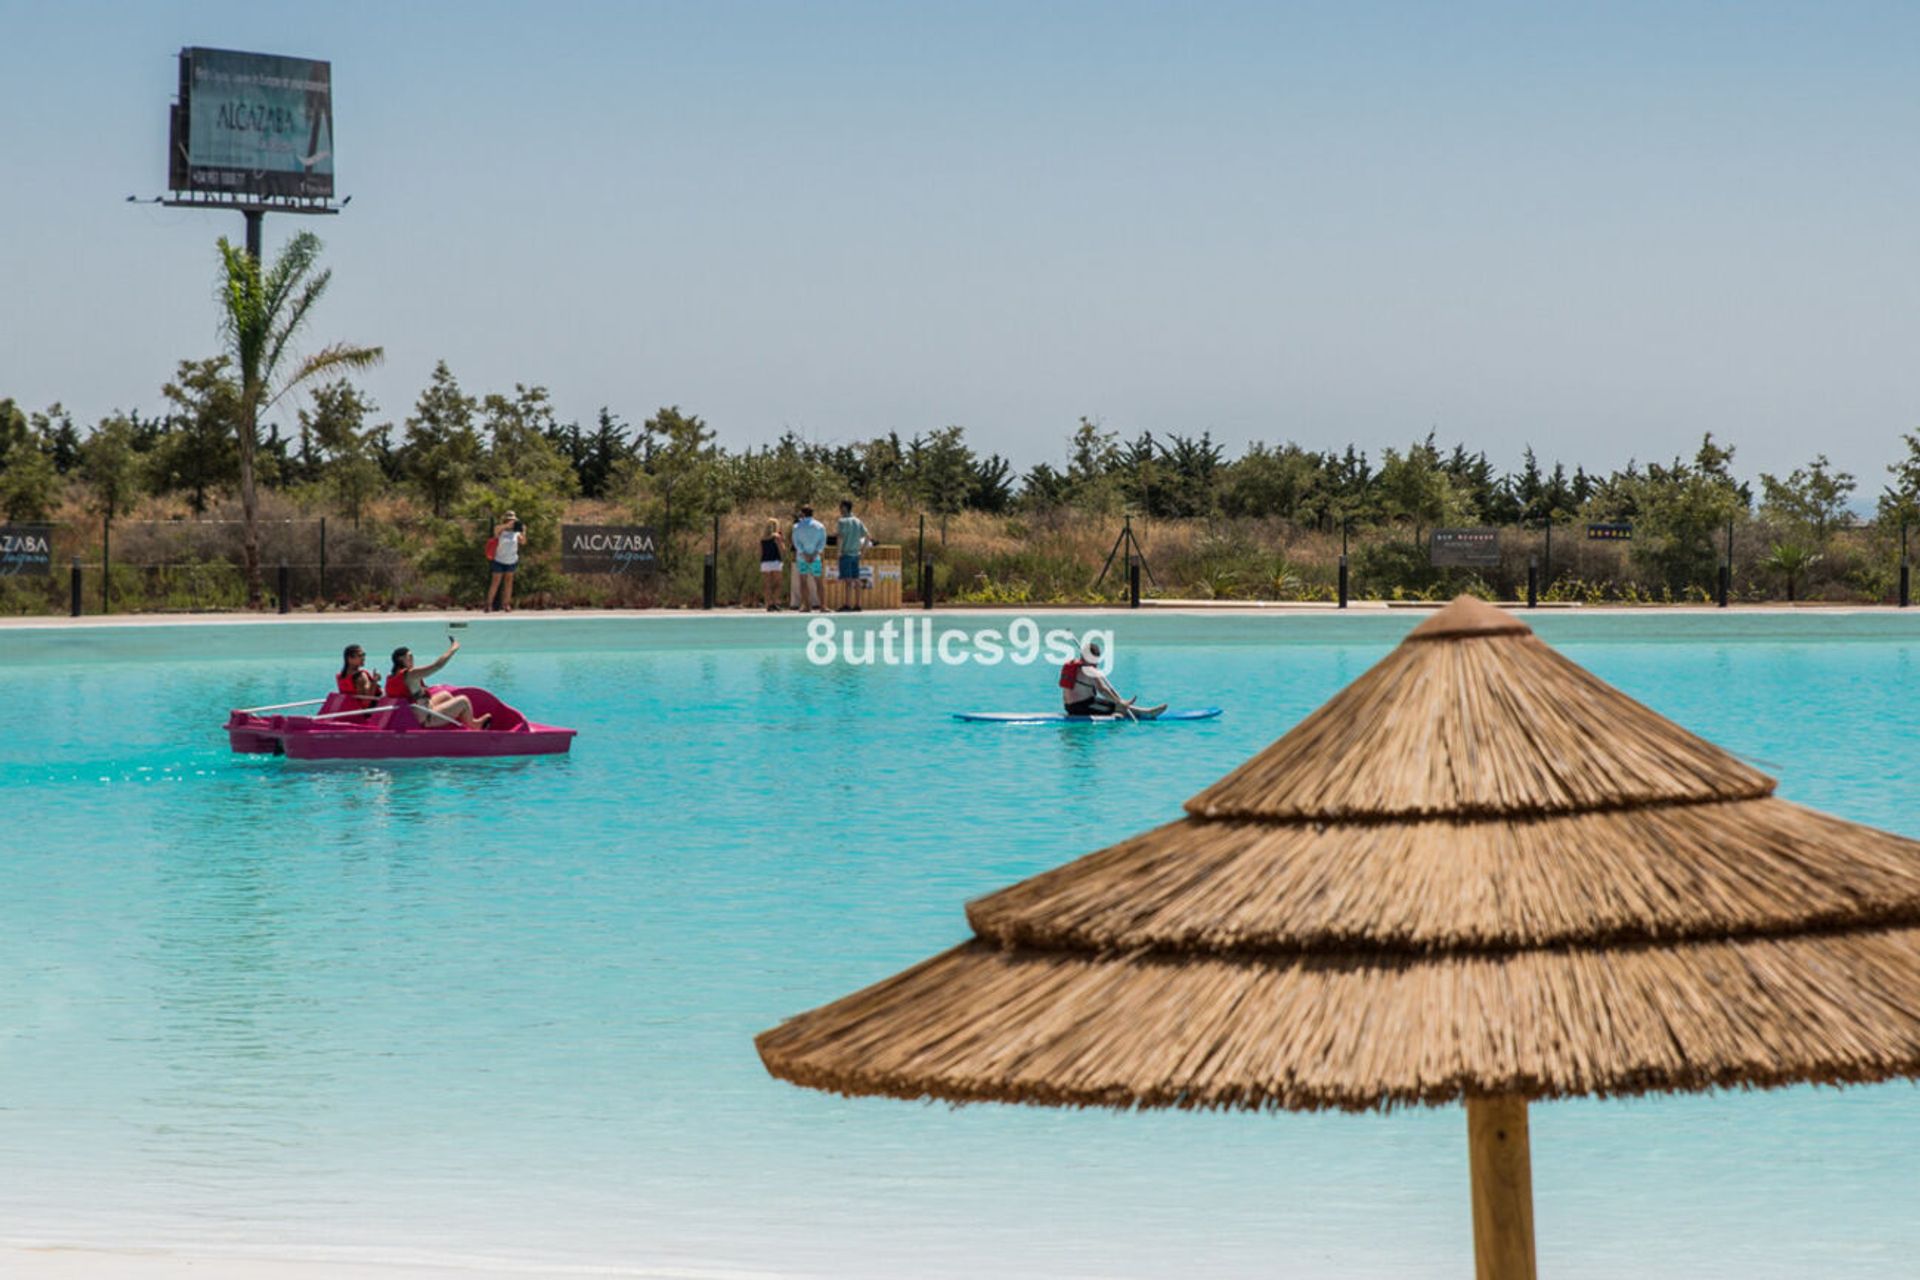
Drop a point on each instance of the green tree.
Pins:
(1044, 489)
(29, 480)
(1093, 457)
(1414, 488)
(939, 471)
(602, 453)
(1192, 468)
(62, 438)
(1678, 510)
(196, 456)
(520, 445)
(15, 433)
(1900, 500)
(680, 472)
(262, 312)
(111, 467)
(1810, 501)
(1272, 482)
(336, 426)
(442, 451)
(991, 484)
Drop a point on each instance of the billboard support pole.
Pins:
(254, 217)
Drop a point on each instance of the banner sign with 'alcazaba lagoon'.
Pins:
(607, 548)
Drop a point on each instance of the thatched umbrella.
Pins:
(1476, 874)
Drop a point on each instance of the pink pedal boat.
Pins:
(389, 730)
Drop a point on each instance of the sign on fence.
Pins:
(1467, 548)
(1610, 531)
(607, 548)
(26, 550)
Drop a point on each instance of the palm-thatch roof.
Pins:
(1476, 872)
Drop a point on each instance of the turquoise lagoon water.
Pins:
(504, 1010)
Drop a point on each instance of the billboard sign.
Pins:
(607, 548)
(252, 124)
(26, 550)
(1465, 548)
(1610, 531)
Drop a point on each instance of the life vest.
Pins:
(347, 686)
(1070, 673)
(397, 687)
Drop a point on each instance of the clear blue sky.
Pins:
(1600, 230)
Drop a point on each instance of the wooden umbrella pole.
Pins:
(1502, 1188)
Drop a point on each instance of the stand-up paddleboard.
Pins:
(1157, 715)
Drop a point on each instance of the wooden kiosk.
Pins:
(880, 581)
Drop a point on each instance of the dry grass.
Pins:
(1477, 871)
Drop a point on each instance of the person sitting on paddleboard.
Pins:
(429, 708)
(355, 681)
(1084, 690)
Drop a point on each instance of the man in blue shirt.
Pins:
(809, 541)
(853, 540)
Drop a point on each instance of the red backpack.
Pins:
(493, 546)
(1070, 674)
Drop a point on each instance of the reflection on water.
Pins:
(505, 1007)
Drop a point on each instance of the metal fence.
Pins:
(197, 566)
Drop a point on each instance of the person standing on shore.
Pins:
(809, 543)
(503, 556)
(853, 540)
(772, 558)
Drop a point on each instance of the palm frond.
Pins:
(339, 357)
(292, 322)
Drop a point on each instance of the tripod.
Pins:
(1136, 554)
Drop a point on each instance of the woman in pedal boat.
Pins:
(430, 709)
(355, 681)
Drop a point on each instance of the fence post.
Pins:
(285, 578)
(1345, 525)
(920, 558)
(1726, 584)
(74, 589)
(1133, 582)
(1533, 583)
(323, 559)
(1905, 596)
(710, 574)
(106, 564)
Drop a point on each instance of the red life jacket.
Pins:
(397, 686)
(1070, 674)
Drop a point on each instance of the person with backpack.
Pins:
(503, 558)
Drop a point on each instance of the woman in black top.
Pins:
(772, 556)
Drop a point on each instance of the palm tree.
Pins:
(1791, 559)
(262, 311)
